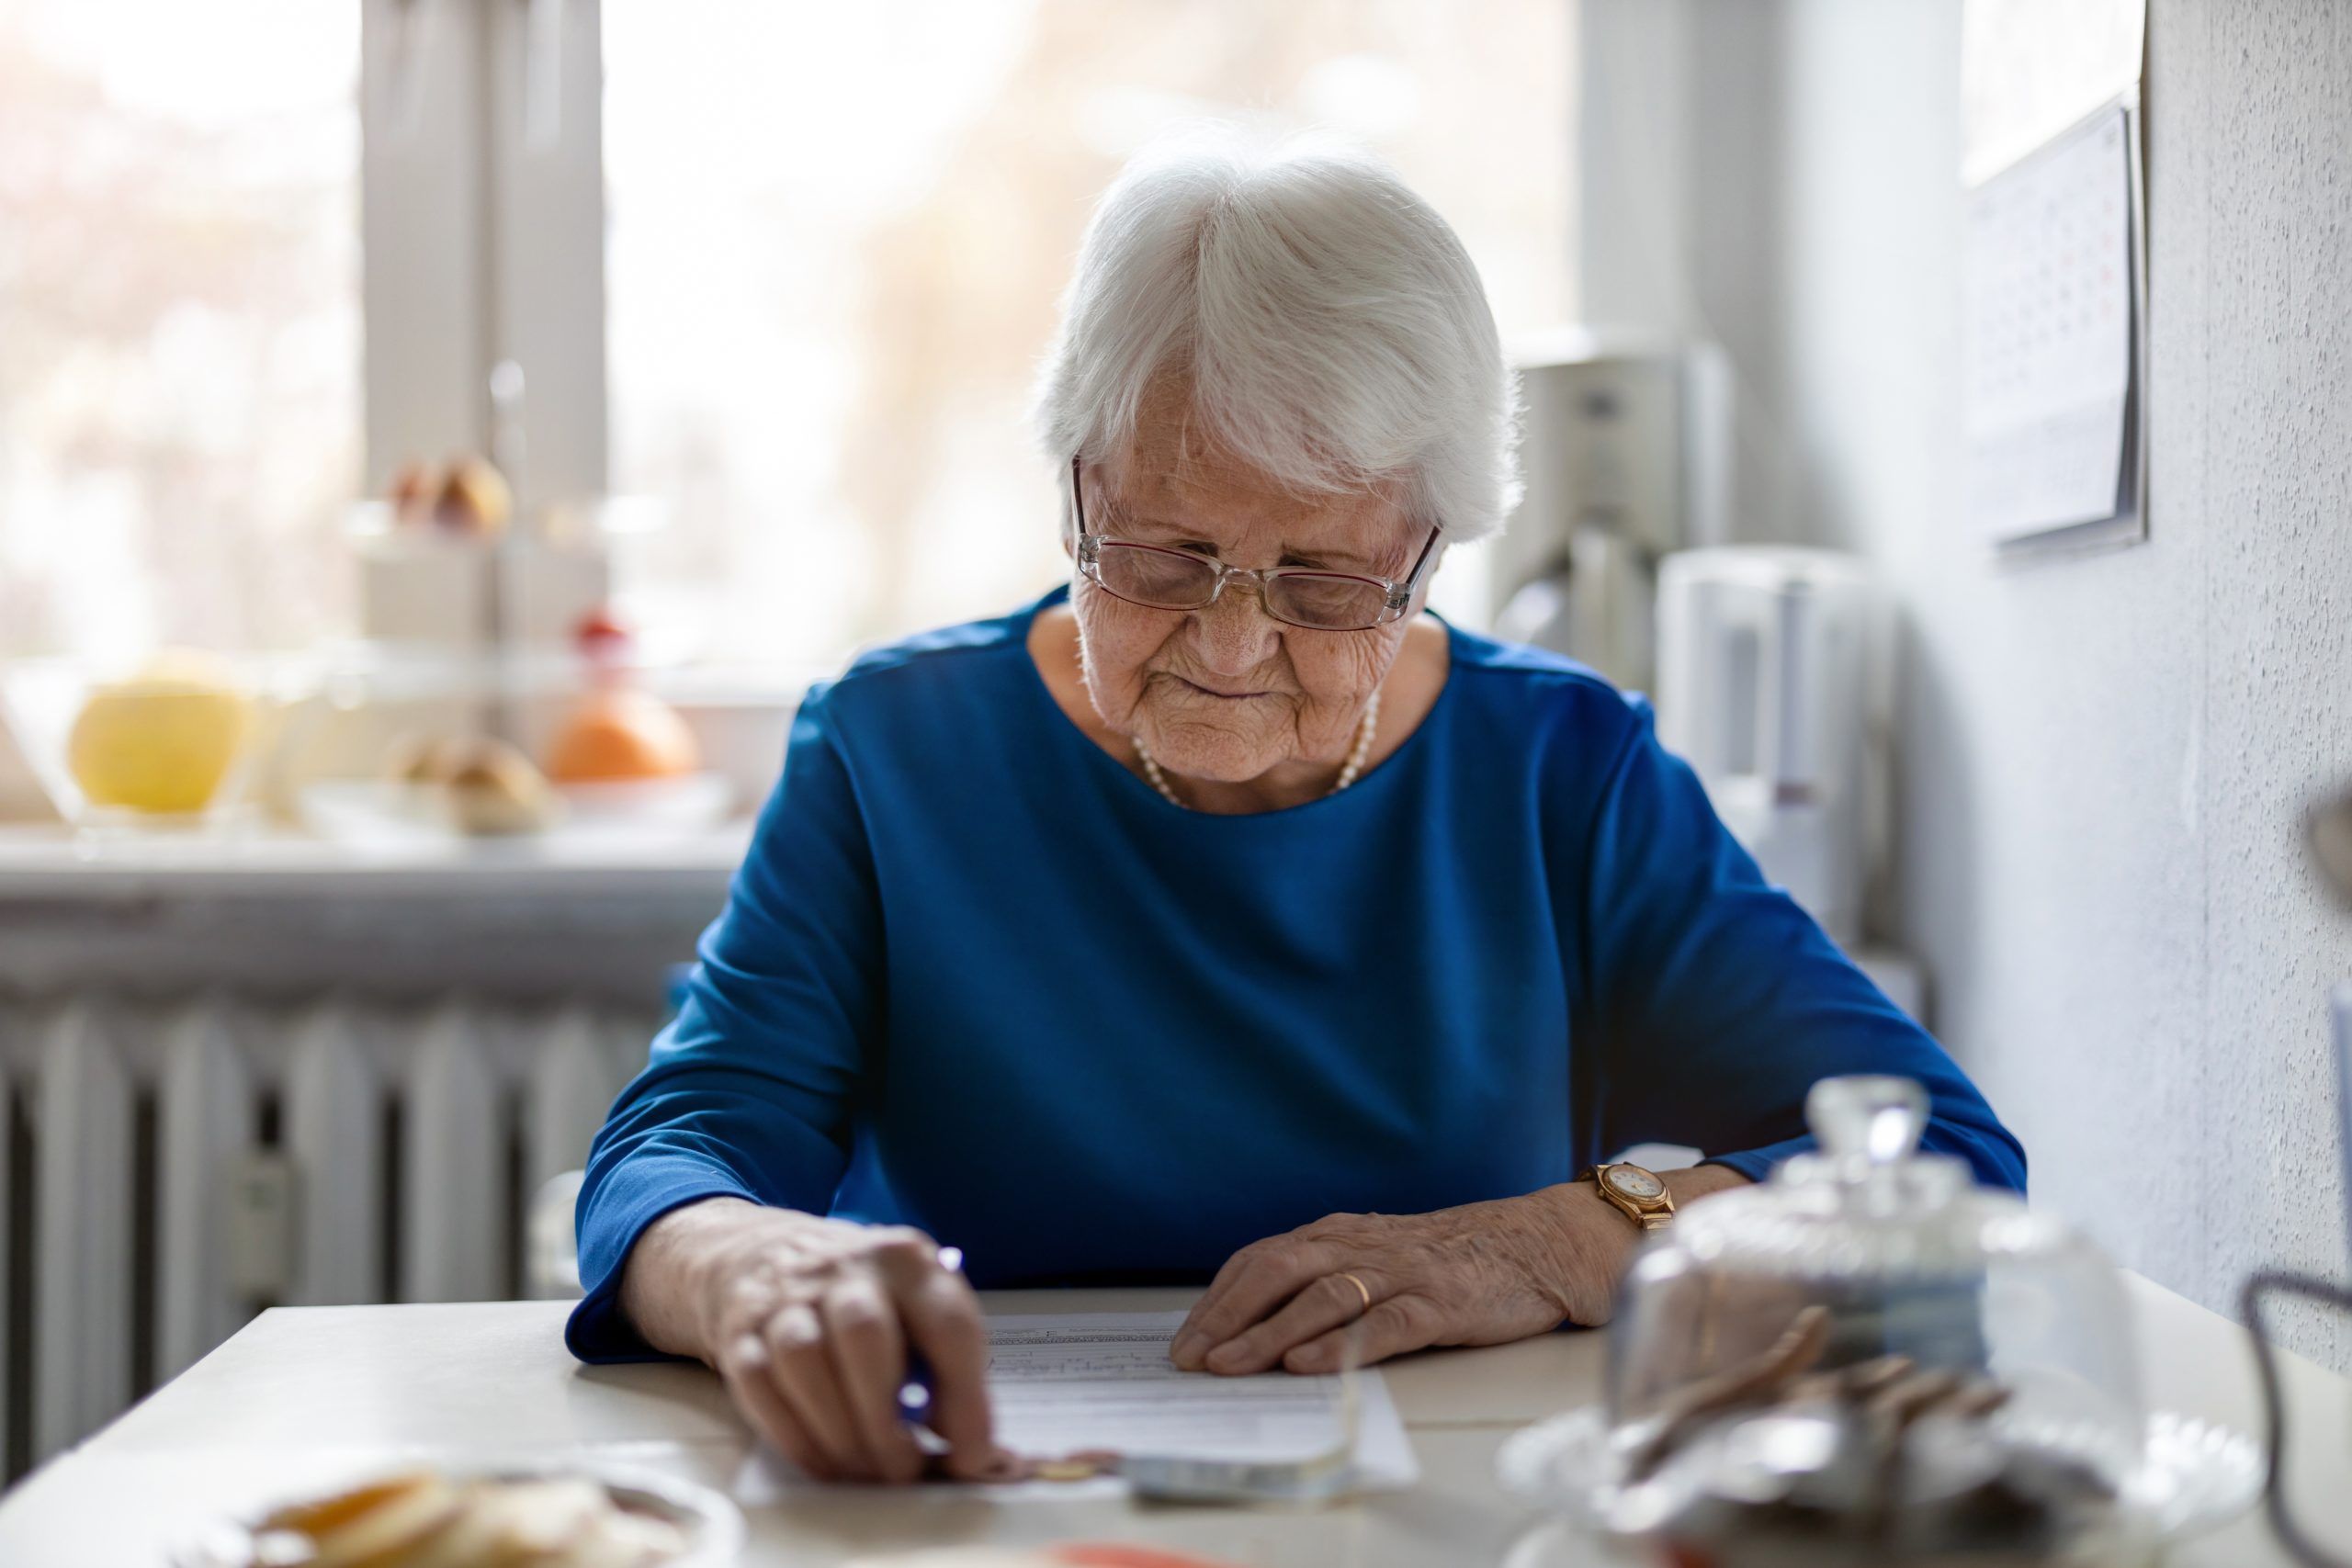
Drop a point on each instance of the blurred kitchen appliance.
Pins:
(1626, 438)
(1762, 656)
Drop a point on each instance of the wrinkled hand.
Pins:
(809, 1321)
(1481, 1274)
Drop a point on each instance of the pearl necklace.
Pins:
(1349, 771)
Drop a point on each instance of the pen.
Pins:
(914, 1392)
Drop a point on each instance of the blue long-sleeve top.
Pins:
(976, 976)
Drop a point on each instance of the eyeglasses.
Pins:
(1159, 578)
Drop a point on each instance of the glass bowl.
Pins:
(165, 743)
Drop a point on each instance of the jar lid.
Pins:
(1868, 1204)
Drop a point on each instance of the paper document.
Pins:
(1062, 1383)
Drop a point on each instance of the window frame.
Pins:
(482, 238)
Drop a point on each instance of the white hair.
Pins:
(1330, 327)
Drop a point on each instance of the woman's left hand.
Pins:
(1482, 1274)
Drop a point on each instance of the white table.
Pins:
(304, 1397)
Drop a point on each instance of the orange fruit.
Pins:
(623, 734)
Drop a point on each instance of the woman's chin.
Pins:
(1195, 751)
(1214, 767)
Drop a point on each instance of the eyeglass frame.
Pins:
(1397, 596)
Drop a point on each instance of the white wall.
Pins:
(2103, 761)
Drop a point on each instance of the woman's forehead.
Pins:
(1215, 496)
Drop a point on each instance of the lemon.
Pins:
(162, 740)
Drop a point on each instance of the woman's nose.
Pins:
(1234, 634)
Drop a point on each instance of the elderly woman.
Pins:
(1223, 917)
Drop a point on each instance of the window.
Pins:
(834, 240)
(838, 234)
(179, 322)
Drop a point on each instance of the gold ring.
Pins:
(1362, 1289)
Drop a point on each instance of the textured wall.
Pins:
(2103, 761)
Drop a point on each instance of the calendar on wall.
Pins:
(2054, 323)
(2051, 339)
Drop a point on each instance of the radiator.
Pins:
(169, 1167)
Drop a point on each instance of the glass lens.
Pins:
(1333, 604)
(1149, 576)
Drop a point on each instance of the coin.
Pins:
(1065, 1470)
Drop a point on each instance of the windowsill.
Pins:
(47, 862)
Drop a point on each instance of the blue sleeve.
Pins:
(1717, 1000)
(749, 1091)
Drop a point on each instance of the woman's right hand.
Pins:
(809, 1322)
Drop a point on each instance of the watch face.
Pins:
(1639, 1185)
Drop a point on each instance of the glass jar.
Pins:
(1869, 1359)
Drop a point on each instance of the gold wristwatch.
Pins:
(1636, 1192)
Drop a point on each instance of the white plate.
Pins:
(689, 801)
(2194, 1475)
(712, 1524)
(385, 814)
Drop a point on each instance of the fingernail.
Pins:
(1186, 1351)
(1227, 1356)
(997, 1465)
